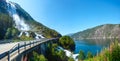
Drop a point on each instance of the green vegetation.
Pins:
(5, 23)
(11, 33)
(25, 38)
(115, 52)
(37, 57)
(70, 59)
(89, 55)
(55, 55)
(51, 33)
(81, 55)
(67, 43)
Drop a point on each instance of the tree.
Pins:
(70, 59)
(81, 55)
(5, 22)
(15, 32)
(37, 57)
(115, 55)
(53, 54)
(42, 58)
(11, 33)
(61, 56)
(89, 55)
(67, 43)
(8, 33)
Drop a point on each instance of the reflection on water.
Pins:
(94, 45)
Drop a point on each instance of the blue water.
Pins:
(94, 46)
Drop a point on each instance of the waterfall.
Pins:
(20, 34)
(19, 22)
(27, 34)
(68, 53)
(38, 36)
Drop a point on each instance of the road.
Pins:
(7, 46)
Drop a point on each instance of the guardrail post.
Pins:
(30, 43)
(33, 43)
(8, 55)
(18, 48)
(25, 45)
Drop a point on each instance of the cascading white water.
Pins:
(20, 34)
(27, 34)
(19, 22)
(38, 36)
(68, 53)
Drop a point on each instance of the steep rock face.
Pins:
(100, 32)
(16, 23)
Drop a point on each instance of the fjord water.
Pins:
(94, 45)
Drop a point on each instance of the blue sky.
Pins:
(70, 16)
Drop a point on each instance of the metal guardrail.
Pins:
(20, 45)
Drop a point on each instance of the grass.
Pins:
(112, 53)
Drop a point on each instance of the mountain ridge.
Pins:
(104, 31)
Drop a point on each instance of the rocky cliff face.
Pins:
(100, 32)
(16, 23)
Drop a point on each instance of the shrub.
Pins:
(81, 55)
(67, 43)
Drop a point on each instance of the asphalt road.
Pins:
(6, 47)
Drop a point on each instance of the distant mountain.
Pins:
(16, 23)
(70, 34)
(105, 31)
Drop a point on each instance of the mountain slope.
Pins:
(99, 32)
(16, 23)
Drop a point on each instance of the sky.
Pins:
(71, 16)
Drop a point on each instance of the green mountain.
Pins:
(105, 31)
(16, 23)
